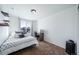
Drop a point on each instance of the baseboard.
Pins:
(54, 44)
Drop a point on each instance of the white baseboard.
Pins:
(55, 44)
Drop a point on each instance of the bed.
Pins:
(14, 44)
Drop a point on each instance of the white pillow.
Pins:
(16, 35)
(27, 34)
(11, 35)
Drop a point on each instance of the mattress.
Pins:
(13, 42)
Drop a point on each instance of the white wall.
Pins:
(34, 24)
(14, 23)
(1, 16)
(3, 30)
(3, 33)
(60, 27)
(78, 33)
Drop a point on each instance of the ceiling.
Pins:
(42, 10)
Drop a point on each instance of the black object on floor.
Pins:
(71, 47)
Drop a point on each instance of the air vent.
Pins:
(5, 14)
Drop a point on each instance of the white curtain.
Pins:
(29, 23)
(26, 23)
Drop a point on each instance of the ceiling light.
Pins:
(33, 10)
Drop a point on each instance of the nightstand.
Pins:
(37, 35)
(41, 37)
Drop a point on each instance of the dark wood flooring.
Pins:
(44, 48)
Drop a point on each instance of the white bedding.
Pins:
(15, 43)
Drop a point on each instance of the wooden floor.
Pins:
(44, 48)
